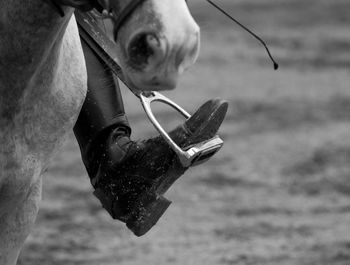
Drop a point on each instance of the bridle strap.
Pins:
(125, 13)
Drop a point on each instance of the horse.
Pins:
(43, 83)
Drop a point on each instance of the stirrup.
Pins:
(191, 155)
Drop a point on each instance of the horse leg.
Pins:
(17, 222)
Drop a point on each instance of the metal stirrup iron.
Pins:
(190, 156)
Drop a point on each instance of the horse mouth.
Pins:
(141, 82)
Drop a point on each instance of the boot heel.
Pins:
(147, 215)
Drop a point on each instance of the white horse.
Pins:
(43, 83)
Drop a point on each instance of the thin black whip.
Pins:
(275, 65)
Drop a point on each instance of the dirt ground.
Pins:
(279, 190)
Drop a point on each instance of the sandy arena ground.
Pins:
(278, 192)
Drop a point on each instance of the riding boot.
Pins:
(131, 177)
(102, 111)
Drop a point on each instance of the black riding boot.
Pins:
(101, 113)
(130, 177)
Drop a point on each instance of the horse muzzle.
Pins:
(159, 61)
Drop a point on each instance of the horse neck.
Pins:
(30, 30)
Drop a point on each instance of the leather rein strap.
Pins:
(98, 40)
(100, 43)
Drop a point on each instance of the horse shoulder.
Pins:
(36, 125)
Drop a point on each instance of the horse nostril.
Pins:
(144, 49)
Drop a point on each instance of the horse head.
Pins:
(156, 40)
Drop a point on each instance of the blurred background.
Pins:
(279, 190)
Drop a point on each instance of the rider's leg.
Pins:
(101, 113)
(130, 177)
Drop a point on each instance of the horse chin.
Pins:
(142, 82)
